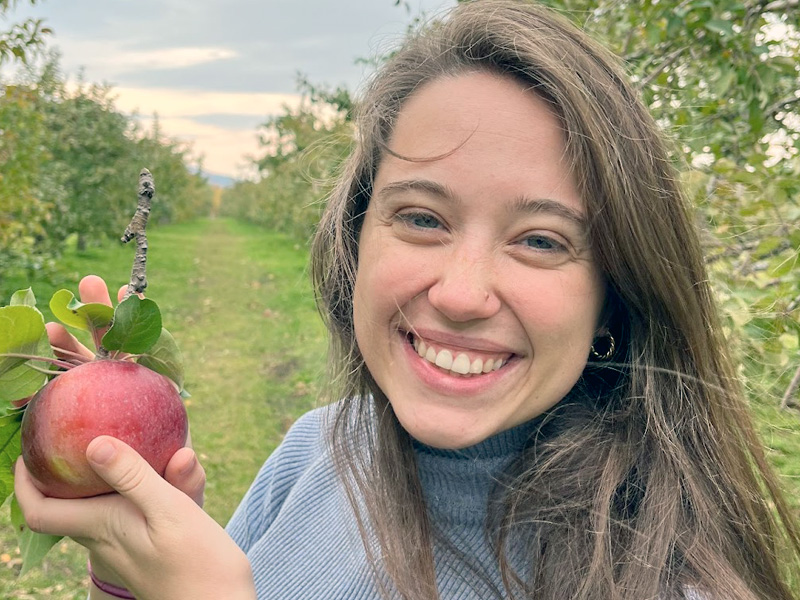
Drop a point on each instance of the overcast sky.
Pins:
(213, 69)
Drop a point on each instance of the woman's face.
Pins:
(476, 298)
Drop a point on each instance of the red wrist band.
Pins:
(109, 588)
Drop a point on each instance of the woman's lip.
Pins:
(457, 341)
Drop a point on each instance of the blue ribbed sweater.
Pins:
(299, 532)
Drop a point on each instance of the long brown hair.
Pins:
(648, 479)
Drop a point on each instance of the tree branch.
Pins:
(793, 304)
(790, 391)
(137, 229)
(780, 105)
(665, 64)
(781, 5)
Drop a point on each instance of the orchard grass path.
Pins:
(238, 301)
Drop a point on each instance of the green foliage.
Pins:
(303, 149)
(24, 207)
(23, 39)
(137, 326)
(69, 162)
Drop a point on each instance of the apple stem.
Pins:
(48, 371)
(137, 229)
(53, 361)
(70, 353)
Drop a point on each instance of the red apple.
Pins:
(103, 397)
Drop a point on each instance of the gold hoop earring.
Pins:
(612, 345)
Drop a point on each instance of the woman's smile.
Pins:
(459, 361)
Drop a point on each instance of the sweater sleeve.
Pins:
(265, 498)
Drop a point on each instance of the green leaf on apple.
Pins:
(70, 311)
(165, 357)
(23, 381)
(19, 383)
(23, 298)
(33, 546)
(19, 325)
(21, 329)
(10, 449)
(136, 326)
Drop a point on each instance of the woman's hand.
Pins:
(140, 545)
(151, 537)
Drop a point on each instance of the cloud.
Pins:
(220, 126)
(112, 57)
(185, 103)
(166, 58)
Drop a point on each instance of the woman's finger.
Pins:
(56, 516)
(61, 339)
(93, 289)
(186, 473)
(123, 290)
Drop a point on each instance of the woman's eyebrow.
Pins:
(546, 205)
(418, 185)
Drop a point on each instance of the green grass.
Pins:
(238, 302)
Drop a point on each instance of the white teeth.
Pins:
(430, 355)
(461, 364)
(444, 359)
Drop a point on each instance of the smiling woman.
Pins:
(530, 395)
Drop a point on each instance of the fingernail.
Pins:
(103, 452)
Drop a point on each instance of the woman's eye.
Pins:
(544, 243)
(420, 220)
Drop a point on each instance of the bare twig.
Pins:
(781, 5)
(793, 304)
(666, 63)
(137, 229)
(790, 391)
(781, 105)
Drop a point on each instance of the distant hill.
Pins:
(222, 181)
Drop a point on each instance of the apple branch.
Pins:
(137, 229)
(790, 391)
(660, 68)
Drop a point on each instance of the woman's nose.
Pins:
(465, 287)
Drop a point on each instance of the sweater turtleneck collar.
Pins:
(457, 483)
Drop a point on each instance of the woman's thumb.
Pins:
(125, 470)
